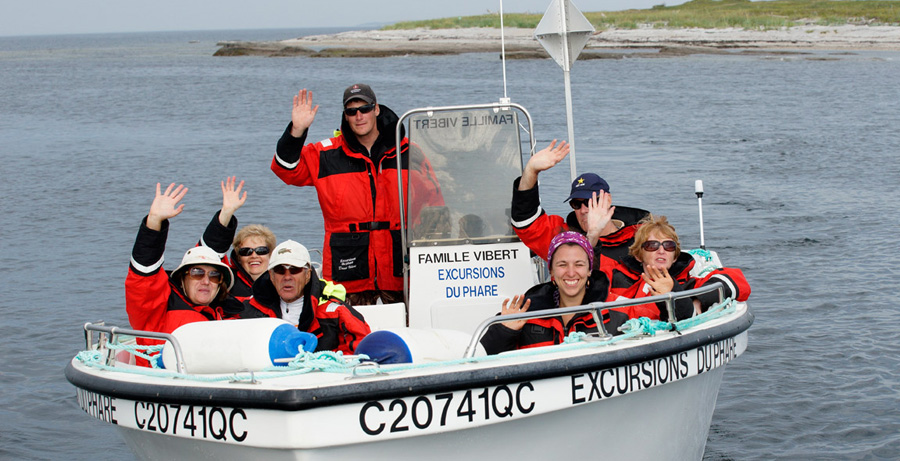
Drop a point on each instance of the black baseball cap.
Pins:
(359, 91)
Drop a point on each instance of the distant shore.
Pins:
(520, 43)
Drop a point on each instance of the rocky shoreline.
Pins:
(521, 44)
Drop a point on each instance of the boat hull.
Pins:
(649, 397)
(630, 427)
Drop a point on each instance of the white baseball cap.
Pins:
(291, 253)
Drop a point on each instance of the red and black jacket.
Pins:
(550, 330)
(536, 228)
(736, 286)
(152, 302)
(219, 238)
(627, 272)
(627, 283)
(337, 326)
(358, 196)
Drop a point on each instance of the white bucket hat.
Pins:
(202, 255)
(291, 253)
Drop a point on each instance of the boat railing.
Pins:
(595, 309)
(115, 332)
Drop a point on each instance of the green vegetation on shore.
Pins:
(705, 14)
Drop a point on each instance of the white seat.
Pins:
(384, 316)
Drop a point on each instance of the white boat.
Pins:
(649, 393)
(643, 396)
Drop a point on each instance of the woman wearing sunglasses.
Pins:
(196, 291)
(573, 283)
(252, 248)
(251, 245)
(657, 267)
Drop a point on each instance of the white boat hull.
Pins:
(584, 430)
(642, 399)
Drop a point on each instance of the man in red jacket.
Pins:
(355, 176)
(610, 229)
(291, 290)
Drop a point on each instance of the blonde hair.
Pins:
(255, 230)
(647, 226)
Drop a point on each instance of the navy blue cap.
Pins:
(585, 185)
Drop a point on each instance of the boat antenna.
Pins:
(698, 189)
(503, 54)
(563, 32)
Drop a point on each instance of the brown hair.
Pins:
(255, 230)
(222, 285)
(648, 225)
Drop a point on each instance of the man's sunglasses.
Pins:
(280, 270)
(653, 245)
(247, 251)
(351, 111)
(197, 273)
(577, 203)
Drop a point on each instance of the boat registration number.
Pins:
(224, 424)
(447, 409)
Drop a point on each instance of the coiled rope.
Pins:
(707, 258)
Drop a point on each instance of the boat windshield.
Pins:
(462, 164)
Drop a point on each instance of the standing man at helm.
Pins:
(355, 176)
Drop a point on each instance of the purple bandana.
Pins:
(570, 237)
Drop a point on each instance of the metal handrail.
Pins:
(594, 308)
(116, 331)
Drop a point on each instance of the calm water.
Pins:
(799, 157)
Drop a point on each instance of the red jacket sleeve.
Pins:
(295, 163)
(733, 279)
(534, 227)
(146, 300)
(353, 327)
(147, 284)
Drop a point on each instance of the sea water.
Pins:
(798, 154)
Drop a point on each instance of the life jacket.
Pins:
(153, 303)
(735, 287)
(337, 326)
(535, 228)
(550, 330)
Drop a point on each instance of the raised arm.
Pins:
(543, 160)
(232, 199)
(303, 113)
(165, 205)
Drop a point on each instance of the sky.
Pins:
(51, 17)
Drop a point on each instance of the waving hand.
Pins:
(303, 113)
(165, 205)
